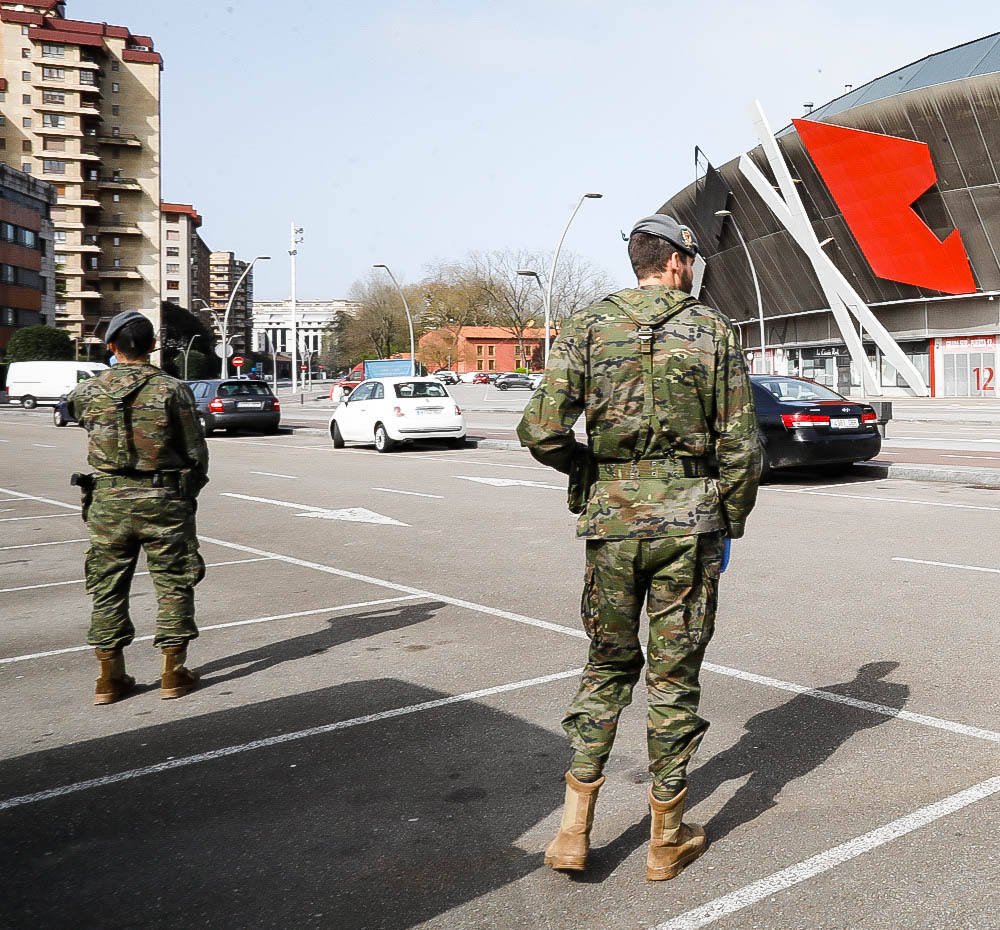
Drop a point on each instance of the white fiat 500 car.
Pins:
(388, 411)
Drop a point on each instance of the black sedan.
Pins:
(804, 425)
(516, 380)
(231, 404)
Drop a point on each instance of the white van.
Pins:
(34, 383)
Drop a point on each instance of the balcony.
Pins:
(126, 139)
(65, 247)
(118, 226)
(119, 184)
(87, 294)
(120, 272)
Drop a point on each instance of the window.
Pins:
(114, 87)
(25, 52)
(24, 30)
(173, 235)
(8, 232)
(116, 198)
(26, 98)
(115, 110)
(26, 76)
(3, 144)
(115, 66)
(53, 51)
(59, 235)
(61, 190)
(53, 96)
(117, 285)
(28, 238)
(53, 166)
(26, 167)
(26, 147)
(480, 350)
(491, 350)
(3, 120)
(420, 389)
(26, 122)
(54, 120)
(58, 74)
(115, 131)
(173, 251)
(85, 78)
(117, 241)
(173, 218)
(53, 145)
(173, 269)
(118, 263)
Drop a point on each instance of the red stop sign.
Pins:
(239, 361)
(302, 368)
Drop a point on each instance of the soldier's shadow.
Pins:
(780, 745)
(340, 629)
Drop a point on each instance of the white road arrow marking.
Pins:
(349, 514)
(510, 483)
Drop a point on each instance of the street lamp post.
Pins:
(409, 319)
(187, 352)
(756, 286)
(229, 306)
(296, 240)
(552, 269)
(527, 273)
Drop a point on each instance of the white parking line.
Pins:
(7, 510)
(218, 626)
(42, 445)
(793, 875)
(882, 500)
(269, 741)
(56, 584)
(884, 710)
(60, 542)
(42, 500)
(410, 493)
(968, 568)
(44, 516)
(271, 474)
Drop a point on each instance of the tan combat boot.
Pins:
(570, 847)
(672, 844)
(113, 683)
(176, 680)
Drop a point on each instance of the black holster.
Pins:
(85, 482)
(582, 475)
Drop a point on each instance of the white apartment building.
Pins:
(272, 324)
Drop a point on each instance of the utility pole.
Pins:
(293, 251)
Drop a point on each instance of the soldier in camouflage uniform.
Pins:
(670, 469)
(151, 460)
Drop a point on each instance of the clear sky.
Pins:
(415, 132)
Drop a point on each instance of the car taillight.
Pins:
(799, 420)
(274, 404)
(458, 410)
(870, 417)
(398, 411)
(216, 406)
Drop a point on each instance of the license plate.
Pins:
(247, 405)
(426, 410)
(845, 423)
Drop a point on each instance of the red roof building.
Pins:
(483, 348)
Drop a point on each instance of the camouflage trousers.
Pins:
(163, 527)
(677, 579)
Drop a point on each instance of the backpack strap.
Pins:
(646, 330)
(126, 456)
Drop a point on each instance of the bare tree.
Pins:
(577, 284)
(451, 300)
(378, 329)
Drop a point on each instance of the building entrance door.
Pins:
(968, 366)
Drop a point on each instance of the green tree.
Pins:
(39, 344)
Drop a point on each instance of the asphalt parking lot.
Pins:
(388, 644)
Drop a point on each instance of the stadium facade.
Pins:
(899, 180)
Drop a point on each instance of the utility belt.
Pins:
(683, 466)
(171, 480)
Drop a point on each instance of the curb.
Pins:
(979, 477)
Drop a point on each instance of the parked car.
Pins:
(230, 404)
(467, 377)
(514, 380)
(34, 383)
(446, 377)
(388, 411)
(536, 378)
(803, 424)
(481, 377)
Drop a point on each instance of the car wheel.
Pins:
(765, 465)
(501, 387)
(458, 442)
(28, 402)
(834, 471)
(206, 430)
(338, 439)
(57, 418)
(382, 441)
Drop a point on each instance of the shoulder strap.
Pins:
(126, 456)
(646, 333)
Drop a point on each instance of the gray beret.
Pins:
(666, 227)
(119, 321)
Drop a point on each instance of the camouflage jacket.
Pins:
(156, 431)
(703, 407)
